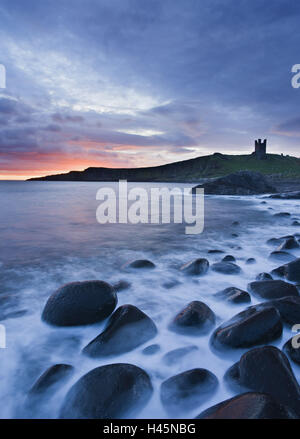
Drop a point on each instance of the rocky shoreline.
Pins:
(263, 380)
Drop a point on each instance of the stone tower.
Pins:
(261, 149)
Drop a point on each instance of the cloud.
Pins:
(131, 83)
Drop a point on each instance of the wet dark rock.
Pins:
(80, 303)
(51, 377)
(238, 183)
(229, 258)
(127, 329)
(295, 223)
(139, 264)
(234, 295)
(187, 390)
(235, 223)
(288, 244)
(251, 261)
(215, 252)
(290, 271)
(293, 195)
(151, 350)
(196, 319)
(282, 256)
(266, 369)
(264, 276)
(176, 355)
(274, 241)
(197, 267)
(114, 391)
(235, 235)
(248, 328)
(249, 405)
(121, 285)
(293, 352)
(282, 215)
(226, 268)
(272, 289)
(288, 307)
(171, 284)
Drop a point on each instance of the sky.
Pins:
(130, 83)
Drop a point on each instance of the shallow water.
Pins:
(50, 236)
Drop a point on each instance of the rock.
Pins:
(151, 349)
(176, 355)
(234, 235)
(248, 328)
(215, 252)
(226, 268)
(235, 223)
(139, 263)
(234, 295)
(168, 285)
(288, 308)
(293, 195)
(229, 258)
(51, 377)
(272, 289)
(282, 256)
(290, 271)
(295, 223)
(114, 391)
(282, 214)
(121, 285)
(264, 276)
(196, 319)
(251, 261)
(127, 329)
(274, 241)
(197, 267)
(187, 390)
(249, 405)
(267, 369)
(288, 244)
(80, 303)
(238, 183)
(291, 352)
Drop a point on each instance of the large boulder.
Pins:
(248, 328)
(226, 267)
(187, 390)
(288, 244)
(233, 295)
(272, 289)
(238, 183)
(80, 303)
(288, 307)
(267, 369)
(127, 328)
(50, 378)
(196, 319)
(197, 267)
(113, 391)
(249, 405)
(290, 271)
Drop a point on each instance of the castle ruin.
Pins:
(261, 149)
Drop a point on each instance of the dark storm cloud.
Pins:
(188, 77)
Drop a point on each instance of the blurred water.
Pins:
(49, 236)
